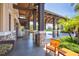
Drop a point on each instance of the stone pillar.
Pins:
(34, 19)
(17, 30)
(45, 24)
(57, 29)
(41, 17)
(28, 23)
(34, 24)
(53, 23)
(27, 28)
(40, 34)
(45, 27)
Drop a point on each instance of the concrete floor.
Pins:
(26, 47)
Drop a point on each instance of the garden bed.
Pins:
(5, 48)
(70, 44)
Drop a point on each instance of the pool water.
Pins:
(49, 35)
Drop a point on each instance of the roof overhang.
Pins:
(27, 9)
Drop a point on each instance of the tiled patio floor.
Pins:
(26, 47)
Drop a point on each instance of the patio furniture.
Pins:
(67, 52)
(53, 46)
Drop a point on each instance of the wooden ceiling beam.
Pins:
(23, 8)
(30, 12)
(50, 19)
(21, 12)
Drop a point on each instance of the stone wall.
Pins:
(8, 35)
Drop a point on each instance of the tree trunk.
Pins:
(77, 33)
(70, 35)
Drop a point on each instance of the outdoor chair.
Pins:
(53, 46)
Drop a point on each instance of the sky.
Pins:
(63, 9)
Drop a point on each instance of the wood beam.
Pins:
(49, 19)
(23, 8)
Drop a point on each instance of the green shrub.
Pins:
(63, 31)
(4, 48)
(76, 39)
(66, 38)
(68, 43)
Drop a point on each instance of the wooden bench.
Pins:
(63, 51)
(53, 46)
(67, 52)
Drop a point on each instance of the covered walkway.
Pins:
(20, 15)
(26, 47)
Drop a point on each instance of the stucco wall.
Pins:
(1, 9)
(5, 10)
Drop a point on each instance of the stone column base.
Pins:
(34, 35)
(40, 37)
(26, 35)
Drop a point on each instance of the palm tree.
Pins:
(77, 7)
(77, 17)
(70, 25)
(66, 25)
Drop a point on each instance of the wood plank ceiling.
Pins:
(26, 10)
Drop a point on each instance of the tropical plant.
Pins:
(68, 43)
(71, 25)
(66, 24)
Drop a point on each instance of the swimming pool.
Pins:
(49, 35)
